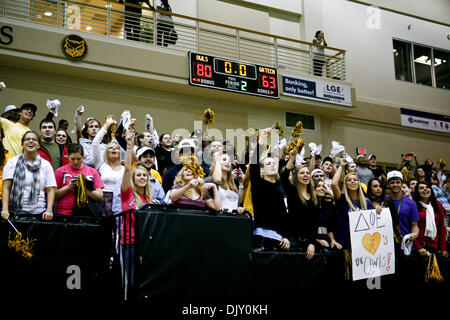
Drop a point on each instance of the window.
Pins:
(402, 60)
(442, 68)
(307, 120)
(422, 65)
(413, 63)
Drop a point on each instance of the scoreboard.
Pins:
(231, 75)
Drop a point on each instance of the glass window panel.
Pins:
(442, 68)
(422, 65)
(402, 60)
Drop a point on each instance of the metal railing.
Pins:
(112, 19)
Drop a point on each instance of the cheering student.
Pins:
(270, 213)
(432, 230)
(85, 136)
(28, 182)
(79, 187)
(108, 164)
(350, 199)
(302, 206)
(404, 213)
(222, 176)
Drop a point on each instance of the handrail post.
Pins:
(58, 13)
(155, 32)
(238, 49)
(197, 26)
(275, 47)
(108, 19)
(311, 60)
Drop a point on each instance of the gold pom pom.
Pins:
(21, 245)
(194, 166)
(280, 129)
(111, 132)
(433, 273)
(296, 143)
(208, 117)
(298, 130)
(441, 162)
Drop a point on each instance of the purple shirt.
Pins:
(408, 213)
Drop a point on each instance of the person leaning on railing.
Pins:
(319, 53)
(28, 182)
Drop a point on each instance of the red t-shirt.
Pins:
(64, 175)
(128, 203)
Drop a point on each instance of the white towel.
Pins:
(430, 223)
(407, 244)
(336, 149)
(53, 106)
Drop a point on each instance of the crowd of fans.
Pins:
(295, 202)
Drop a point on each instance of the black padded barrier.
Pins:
(68, 259)
(184, 255)
(190, 255)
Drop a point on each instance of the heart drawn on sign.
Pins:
(371, 242)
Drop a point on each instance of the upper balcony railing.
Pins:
(111, 19)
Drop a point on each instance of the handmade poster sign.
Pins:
(372, 240)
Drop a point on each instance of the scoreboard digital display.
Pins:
(231, 75)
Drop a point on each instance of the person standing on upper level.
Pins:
(319, 53)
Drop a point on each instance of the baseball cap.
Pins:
(143, 150)
(394, 174)
(10, 107)
(317, 171)
(29, 105)
(327, 158)
(186, 143)
(360, 156)
(372, 156)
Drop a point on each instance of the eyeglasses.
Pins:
(30, 138)
(319, 176)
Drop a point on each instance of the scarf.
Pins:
(17, 189)
(430, 224)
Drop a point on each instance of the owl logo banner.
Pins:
(372, 240)
(74, 47)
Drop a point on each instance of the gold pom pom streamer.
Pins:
(441, 161)
(192, 164)
(280, 129)
(82, 198)
(296, 143)
(111, 132)
(298, 129)
(433, 273)
(208, 117)
(348, 265)
(19, 244)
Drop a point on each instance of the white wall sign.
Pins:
(425, 120)
(317, 90)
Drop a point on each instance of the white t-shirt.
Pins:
(47, 178)
(230, 199)
(109, 176)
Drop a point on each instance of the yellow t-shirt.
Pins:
(8, 156)
(14, 132)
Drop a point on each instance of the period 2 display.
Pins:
(231, 75)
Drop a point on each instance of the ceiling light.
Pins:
(88, 28)
(48, 14)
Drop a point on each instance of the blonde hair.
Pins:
(361, 197)
(147, 188)
(179, 179)
(310, 187)
(109, 146)
(227, 179)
